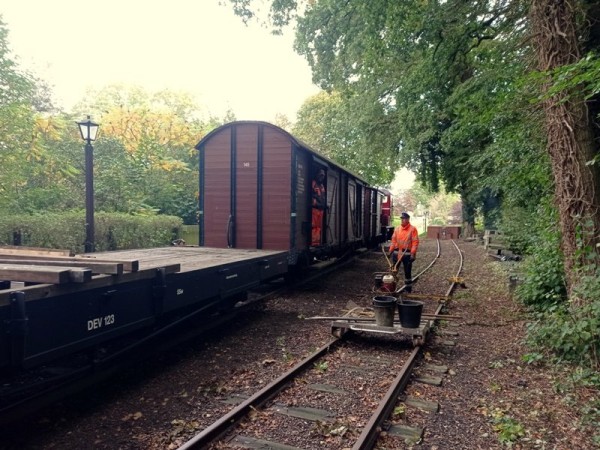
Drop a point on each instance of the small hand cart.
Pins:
(341, 326)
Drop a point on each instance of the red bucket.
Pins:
(389, 284)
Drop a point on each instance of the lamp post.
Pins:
(89, 130)
(426, 215)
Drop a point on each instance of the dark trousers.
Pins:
(407, 265)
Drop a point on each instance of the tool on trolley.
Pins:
(388, 282)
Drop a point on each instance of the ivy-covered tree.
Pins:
(560, 31)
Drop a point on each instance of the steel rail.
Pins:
(368, 437)
(460, 267)
(370, 433)
(437, 256)
(212, 432)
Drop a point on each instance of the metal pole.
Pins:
(89, 198)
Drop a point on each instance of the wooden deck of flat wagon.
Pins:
(52, 304)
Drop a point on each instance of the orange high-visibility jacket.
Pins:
(318, 195)
(405, 237)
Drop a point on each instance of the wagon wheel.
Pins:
(338, 332)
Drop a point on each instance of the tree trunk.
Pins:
(570, 137)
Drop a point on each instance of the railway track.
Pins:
(343, 380)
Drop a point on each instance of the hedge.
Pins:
(113, 231)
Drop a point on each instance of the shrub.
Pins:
(569, 329)
(113, 231)
(544, 282)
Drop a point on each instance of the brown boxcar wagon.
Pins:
(255, 193)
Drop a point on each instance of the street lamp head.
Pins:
(88, 130)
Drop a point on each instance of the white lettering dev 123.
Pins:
(99, 322)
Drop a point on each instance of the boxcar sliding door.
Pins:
(216, 219)
(229, 188)
(332, 217)
(276, 180)
(352, 216)
(247, 186)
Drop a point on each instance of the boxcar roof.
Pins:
(293, 139)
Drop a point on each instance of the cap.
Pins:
(405, 215)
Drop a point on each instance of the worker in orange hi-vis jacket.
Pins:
(319, 204)
(405, 241)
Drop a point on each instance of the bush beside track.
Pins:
(113, 231)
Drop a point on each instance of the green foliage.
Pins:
(17, 121)
(144, 161)
(523, 228)
(584, 75)
(335, 126)
(118, 230)
(582, 380)
(321, 366)
(531, 232)
(544, 284)
(571, 330)
(533, 358)
(435, 87)
(399, 411)
(113, 231)
(509, 430)
(568, 335)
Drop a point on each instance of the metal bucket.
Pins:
(384, 307)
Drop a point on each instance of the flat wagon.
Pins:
(124, 292)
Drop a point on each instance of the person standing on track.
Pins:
(405, 241)
(319, 204)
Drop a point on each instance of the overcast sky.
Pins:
(195, 46)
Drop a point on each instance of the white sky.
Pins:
(403, 180)
(194, 46)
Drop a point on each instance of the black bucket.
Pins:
(378, 280)
(384, 307)
(410, 313)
